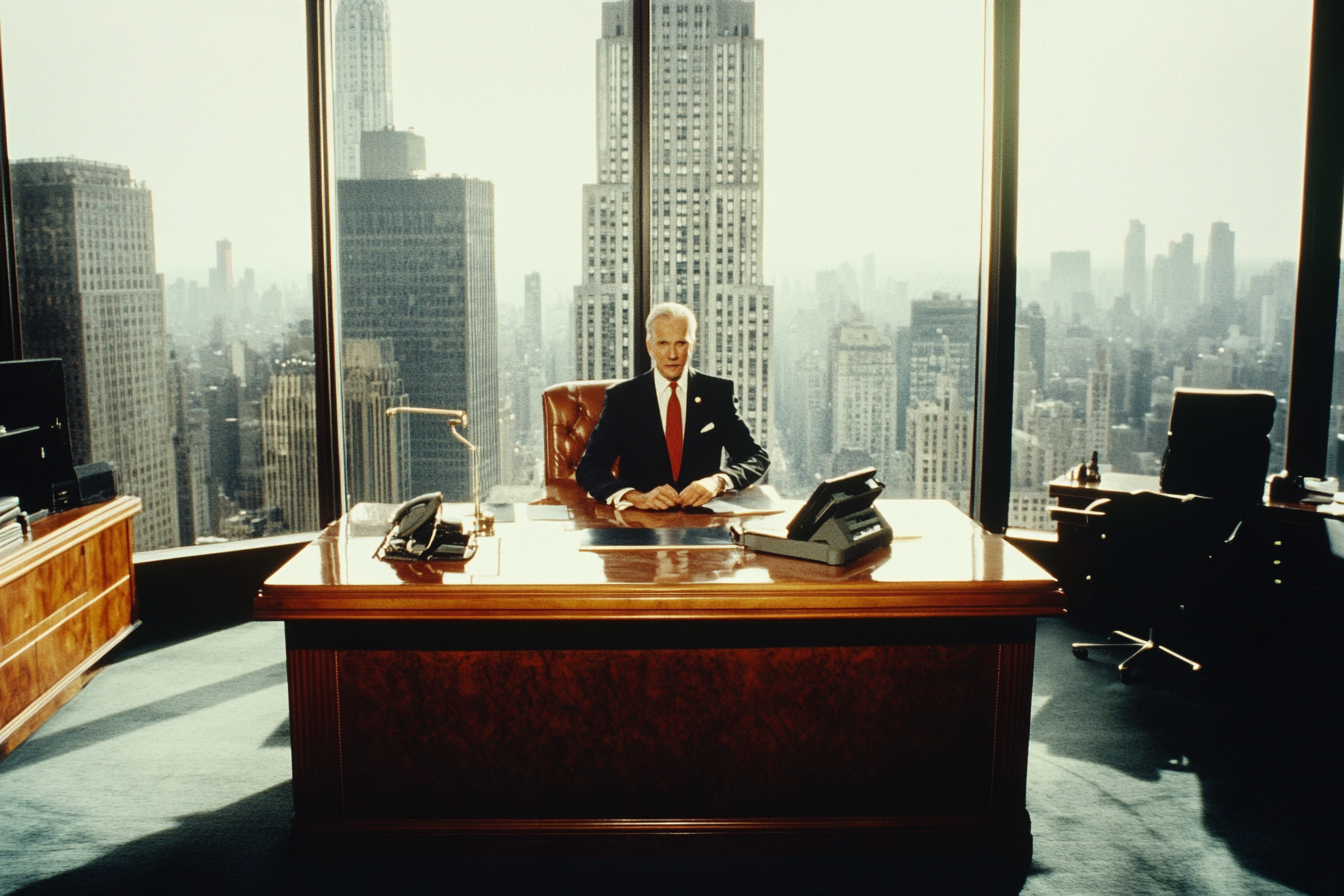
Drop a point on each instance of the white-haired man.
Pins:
(670, 428)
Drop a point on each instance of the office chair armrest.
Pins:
(1093, 515)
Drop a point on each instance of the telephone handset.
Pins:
(419, 534)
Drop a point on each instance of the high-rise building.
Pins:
(1135, 278)
(1220, 274)
(363, 88)
(1098, 418)
(938, 443)
(1176, 281)
(1071, 283)
(289, 445)
(940, 341)
(418, 268)
(390, 154)
(221, 281)
(377, 462)
(84, 236)
(707, 177)
(531, 335)
(863, 393)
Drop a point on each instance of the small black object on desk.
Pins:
(837, 524)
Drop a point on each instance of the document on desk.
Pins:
(643, 539)
(757, 501)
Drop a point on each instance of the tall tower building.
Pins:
(1071, 283)
(940, 341)
(376, 446)
(1098, 419)
(707, 120)
(1220, 274)
(418, 268)
(91, 296)
(1176, 281)
(289, 445)
(221, 281)
(938, 442)
(531, 341)
(1135, 278)
(363, 89)
(863, 393)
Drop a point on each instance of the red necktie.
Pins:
(674, 431)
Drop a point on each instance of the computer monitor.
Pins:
(36, 445)
(837, 496)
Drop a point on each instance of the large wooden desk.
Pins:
(541, 698)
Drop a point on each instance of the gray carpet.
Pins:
(170, 773)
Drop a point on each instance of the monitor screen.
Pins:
(33, 413)
(837, 496)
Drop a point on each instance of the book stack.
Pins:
(11, 522)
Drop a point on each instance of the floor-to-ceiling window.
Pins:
(1159, 216)
(159, 189)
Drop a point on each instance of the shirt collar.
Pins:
(661, 381)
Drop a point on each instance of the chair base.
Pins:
(1080, 650)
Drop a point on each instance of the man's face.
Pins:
(668, 346)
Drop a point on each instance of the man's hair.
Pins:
(674, 310)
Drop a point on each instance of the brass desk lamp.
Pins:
(485, 522)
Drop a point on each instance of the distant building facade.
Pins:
(84, 235)
(707, 178)
(418, 268)
(363, 72)
(289, 445)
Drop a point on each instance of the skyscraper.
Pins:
(289, 445)
(1176, 281)
(531, 336)
(1220, 275)
(377, 457)
(707, 178)
(863, 393)
(92, 297)
(418, 268)
(1135, 282)
(363, 89)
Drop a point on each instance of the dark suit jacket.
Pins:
(630, 428)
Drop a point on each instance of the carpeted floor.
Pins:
(170, 773)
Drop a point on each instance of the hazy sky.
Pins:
(1178, 114)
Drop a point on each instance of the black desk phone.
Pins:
(418, 533)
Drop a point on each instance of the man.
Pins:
(669, 428)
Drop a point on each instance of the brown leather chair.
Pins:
(569, 413)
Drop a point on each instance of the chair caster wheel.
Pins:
(1080, 652)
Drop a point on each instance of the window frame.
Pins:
(1316, 303)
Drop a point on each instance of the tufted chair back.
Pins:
(569, 413)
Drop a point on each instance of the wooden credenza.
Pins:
(67, 597)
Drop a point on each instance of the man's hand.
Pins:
(701, 491)
(661, 498)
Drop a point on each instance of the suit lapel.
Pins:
(651, 423)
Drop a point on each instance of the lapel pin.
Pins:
(697, 399)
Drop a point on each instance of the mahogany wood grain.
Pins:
(537, 698)
(67, 596)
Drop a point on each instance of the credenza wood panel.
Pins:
(67, 596)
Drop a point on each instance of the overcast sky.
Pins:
(1178, 114)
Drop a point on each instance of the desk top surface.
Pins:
(941, 564)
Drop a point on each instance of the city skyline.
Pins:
(1178, 118)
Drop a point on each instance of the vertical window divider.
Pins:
(641, 177)
(330, 480)
(992, 446)
(1317, 303)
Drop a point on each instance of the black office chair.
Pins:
(1156, 556)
